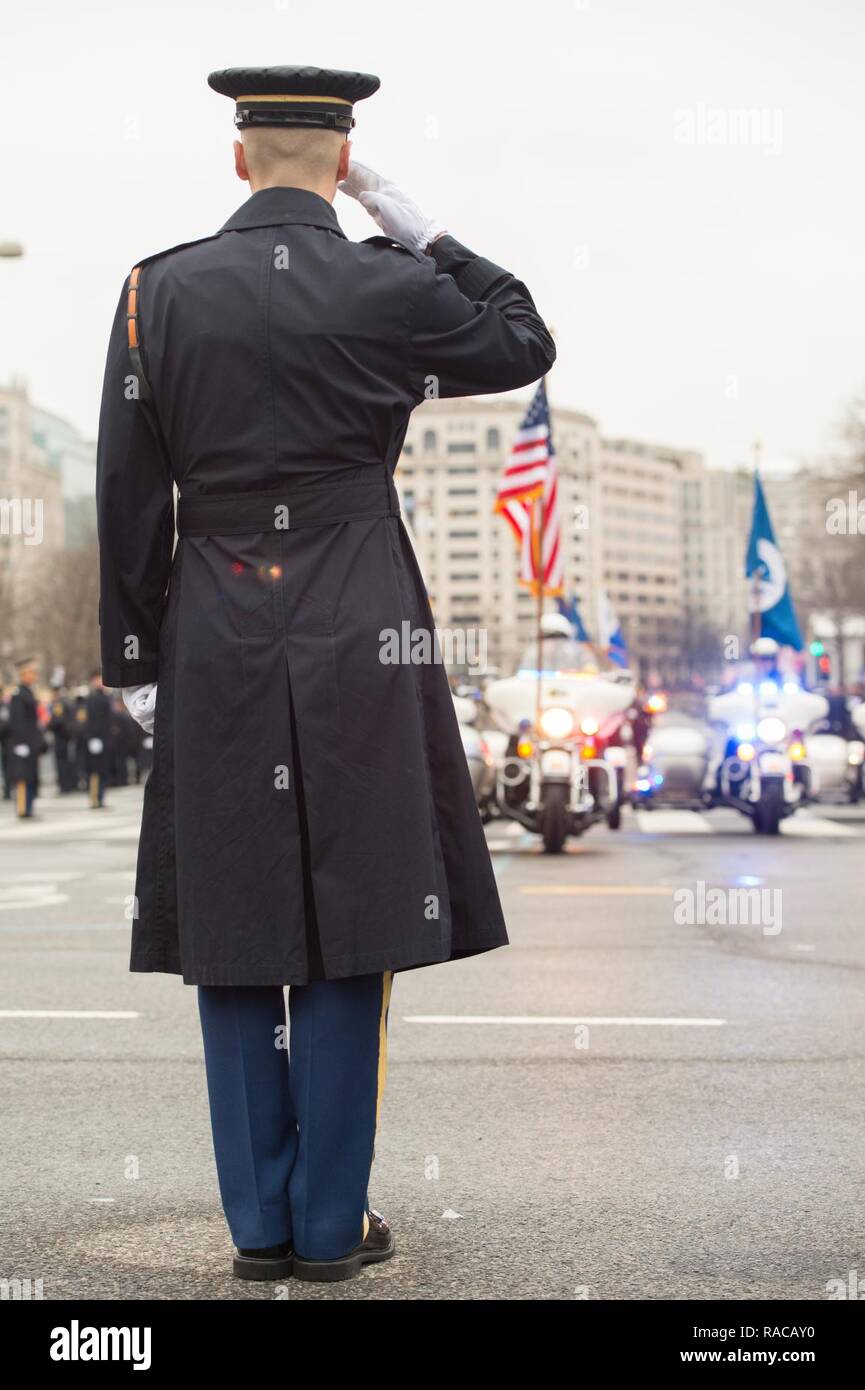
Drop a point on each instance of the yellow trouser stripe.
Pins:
(387, 985)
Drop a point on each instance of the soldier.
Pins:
(79, 736)
(97, 741)
(4, 744)
(124, 735)
(62, 729)
(309, 820)
(26, 741)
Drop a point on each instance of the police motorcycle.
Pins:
(481, 764)
(754, 757)
(675, 764)
(764, 769)
(836, 753)
(560, 738)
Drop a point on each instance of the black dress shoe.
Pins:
(273, 1262)
(377, 1245)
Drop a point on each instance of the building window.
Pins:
(461, 446)
(493, 440)
(429, 441)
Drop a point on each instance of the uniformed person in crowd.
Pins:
(79, 736)
(97, 740)
(26, 741)
(4, 744)
(120, 745)
(61, 726)
(309, 820)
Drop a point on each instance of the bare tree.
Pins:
(60, 619)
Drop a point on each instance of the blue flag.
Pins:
(610, 634)
(769, 592)
(570, 609)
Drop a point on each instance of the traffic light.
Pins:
(824, 665)
(816, 648)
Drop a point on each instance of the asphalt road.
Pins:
(701, 1138)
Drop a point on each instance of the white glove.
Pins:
(140, 700)
(392, 209)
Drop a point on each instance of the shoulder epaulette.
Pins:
(133, 311)
(395, 245)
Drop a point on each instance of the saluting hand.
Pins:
(392, 209)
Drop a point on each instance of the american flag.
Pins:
(528, 499)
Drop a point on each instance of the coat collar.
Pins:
(275, 207)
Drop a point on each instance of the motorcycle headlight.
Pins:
(589, 725)
(856, 754)
(771, 729)
(557, 723)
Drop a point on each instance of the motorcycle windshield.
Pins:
(560, 656)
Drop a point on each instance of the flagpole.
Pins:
(537, 541)
(756, 622)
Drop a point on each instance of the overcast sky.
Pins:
(704, 276)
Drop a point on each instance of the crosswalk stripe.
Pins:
(613, 890)
(803, 823)
(68, 1013)
(566, 1020)
(666, 821)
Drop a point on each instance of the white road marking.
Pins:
(665, 821)
(40, 877)
(68, 1013)
(611, 890)
(802, 823)
(29, 896)
(559, 1020)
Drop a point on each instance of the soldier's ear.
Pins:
(240, 162)
(344, 162)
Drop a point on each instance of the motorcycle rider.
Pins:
(764, 654)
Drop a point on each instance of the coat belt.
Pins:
(286, 509)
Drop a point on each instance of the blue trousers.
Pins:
(294, 1127)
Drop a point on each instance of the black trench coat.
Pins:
(310, 813)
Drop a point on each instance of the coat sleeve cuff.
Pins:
(474, 275)
(117, 674)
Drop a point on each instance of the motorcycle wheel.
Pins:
(614, 817)
(554, 819)
(767, 813)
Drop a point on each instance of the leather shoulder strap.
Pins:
(134, 336)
